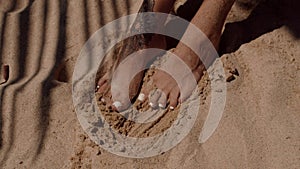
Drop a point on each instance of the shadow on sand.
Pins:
(267, 16)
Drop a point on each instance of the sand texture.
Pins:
(41, 40)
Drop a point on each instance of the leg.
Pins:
(210, 19)
(103, 85)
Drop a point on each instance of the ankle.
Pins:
(158, 41)
(163, 6)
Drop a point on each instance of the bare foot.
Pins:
(120, 100)
(123, 72)
(171, 92)
(210, 19)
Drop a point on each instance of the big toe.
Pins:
(119, 102)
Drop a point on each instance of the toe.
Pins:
(162, 101)
(173, 98)
(143, 96)
(154, 97)
(120, 100)
(117, 106)
(103, 88)
(101, 81)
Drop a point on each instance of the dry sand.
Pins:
(40, 41)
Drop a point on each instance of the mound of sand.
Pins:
(41, 40)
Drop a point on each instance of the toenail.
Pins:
(117, 104)
(161, 105)
(172, 108)
(151, 104)
(97, 87)
(141, 97)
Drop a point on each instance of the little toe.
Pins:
(102, 80)
(103, 88)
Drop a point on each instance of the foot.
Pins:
(114, 93)
(165, 91)
(125, 71)
(210, 20)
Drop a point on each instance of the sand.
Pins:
(40, 41)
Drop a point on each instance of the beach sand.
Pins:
(41, 40)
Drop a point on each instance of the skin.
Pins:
(209, 19)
